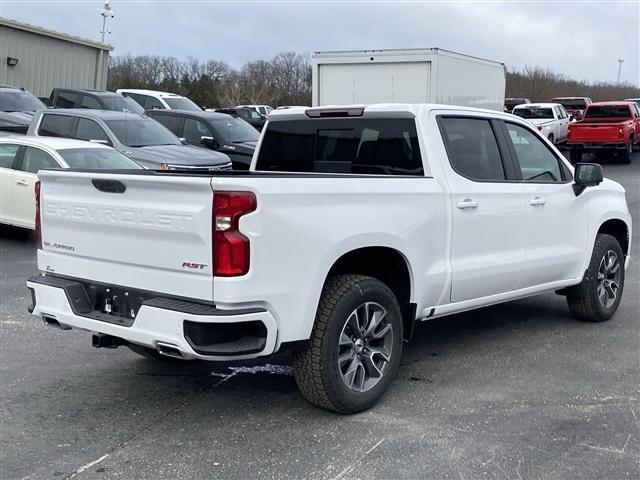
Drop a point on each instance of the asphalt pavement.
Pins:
(514, 391)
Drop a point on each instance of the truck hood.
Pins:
(187, 155)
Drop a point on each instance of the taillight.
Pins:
(230, 247)
(38, 227)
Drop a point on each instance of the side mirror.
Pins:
(586, 175)
(182, 140)
(210, 142)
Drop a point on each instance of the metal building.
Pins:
(38, 59)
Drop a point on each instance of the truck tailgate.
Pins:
(595, 132)
(154, 235)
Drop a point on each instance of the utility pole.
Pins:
(620, 62)
(106, 13)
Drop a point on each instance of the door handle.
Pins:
(22, 183)
(537, 201)
(467, 203)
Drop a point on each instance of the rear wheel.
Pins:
(575, 155)
(625, 155)
(596, 299)
(551, 139)
(355, 346)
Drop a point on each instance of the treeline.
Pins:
(541, 85)
(286, 80)
(283, 80)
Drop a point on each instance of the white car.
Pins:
(22, 157)
(152, 100)
(550, 118)
(261, 109)
(353, 224)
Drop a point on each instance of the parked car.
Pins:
(550, 118)
(354, 224)
(137, 136)
(575, 106)
(93, 99)
(253, 118)
(17, 107)
(261, 109)
(216, 131)
(152, 99)
(610, 126)
(511, 103)
(21, 157)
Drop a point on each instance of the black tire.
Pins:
(635, 146)
(575, 155)
(151, 353)
(625, 155)
(316, 368)
(583, 299)
(551, 139)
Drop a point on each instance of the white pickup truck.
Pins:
(551, 119)
(352, 225)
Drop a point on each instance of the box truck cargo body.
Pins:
(406, 76)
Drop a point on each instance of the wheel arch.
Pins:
(388, 265)
(618, 229)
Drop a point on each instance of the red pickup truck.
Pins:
(611, 126)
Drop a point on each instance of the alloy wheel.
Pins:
(608, 279)
(365, 347)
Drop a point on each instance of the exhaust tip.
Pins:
(52, 321)
(168, 350)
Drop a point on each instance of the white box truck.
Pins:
(430, 75)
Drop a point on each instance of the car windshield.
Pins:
(97, 158)
(571, 104)
(533, 113)
(182, 103)
(142, 132)
(235, 130)
(120, 103)
(600, 111)
(19, 101)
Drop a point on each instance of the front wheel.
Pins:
(575, 155)
(596, 299)
(355, 346)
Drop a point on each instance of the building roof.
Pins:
(6, 22)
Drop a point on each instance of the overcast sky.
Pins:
(582, 40)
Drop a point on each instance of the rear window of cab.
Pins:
(342, 146)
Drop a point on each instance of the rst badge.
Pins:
(193, 265)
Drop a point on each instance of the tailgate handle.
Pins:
(109, 186)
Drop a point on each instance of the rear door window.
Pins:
(352, 146)
(472, 148)
(90, 130)
(58, 126)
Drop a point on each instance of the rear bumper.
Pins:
(197, 331)
(597, 145)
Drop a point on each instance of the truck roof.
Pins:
(537, 105)
(406, 109)
(612, 102)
